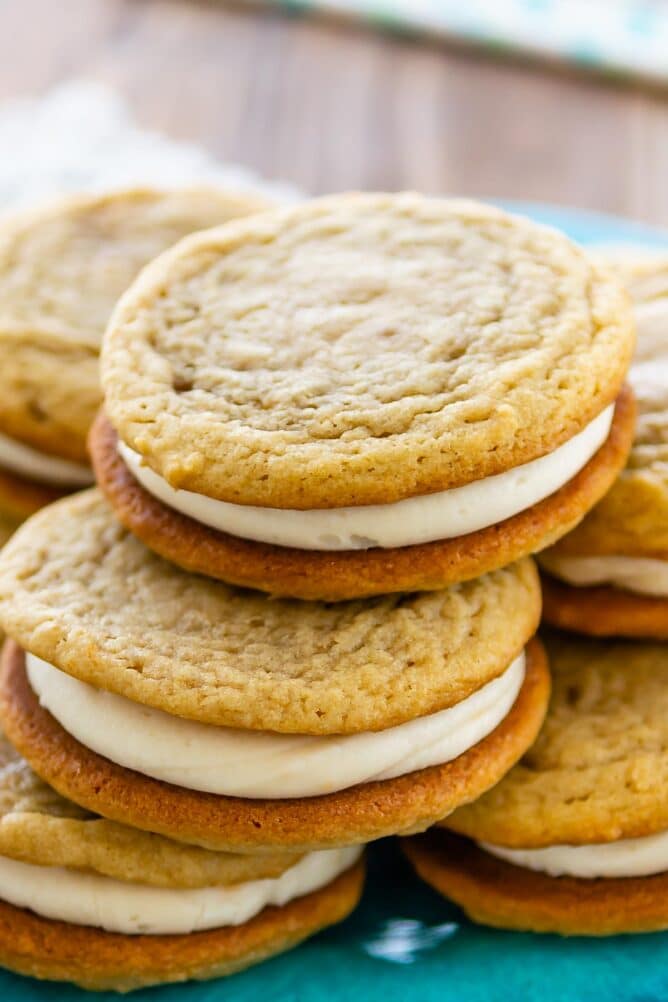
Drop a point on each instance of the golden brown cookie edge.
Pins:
(604, 611)
(496, 893)
(99, 960)
(359, 814)
(342, 575)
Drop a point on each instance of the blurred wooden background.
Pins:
(332, 106)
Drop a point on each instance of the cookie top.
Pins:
(39, 826)
(632, 519)
(362, 349)
(80, 592)
(62, 269)
(598, 771)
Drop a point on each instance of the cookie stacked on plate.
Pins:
(574, 839)
(62, 268)
(610, 576)
(371, 410)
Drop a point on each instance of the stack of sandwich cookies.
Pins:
(87, 900)
(364, 394)
(62, 269)
(180, 705)
(609, 577)
(574, 840)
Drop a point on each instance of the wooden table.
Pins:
(332, 106)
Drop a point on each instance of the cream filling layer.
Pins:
(442, 515)
(628, 857)
(643, 575)
(28, 462)
(91, 899)
(240, 763)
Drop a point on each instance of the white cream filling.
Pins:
(643, 575)
(250, 764)
(28, 462)
(629, 857)
(442, 515)
(91, 899)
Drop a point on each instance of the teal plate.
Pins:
(406, 942)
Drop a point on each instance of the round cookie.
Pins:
(329, 724)
(80, 592)
(62, 268)
(495, 893)
(359, 814)
(104, 961)
(322, 380)
(39, 826)
(344, 575)
(575, 838)
(609, 576)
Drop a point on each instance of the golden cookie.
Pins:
(362, 349)
(493, 892)
(349, 574)
(358, 814)
(62, 268)
(623, 593)
(39, 826)
(598, 771)
(80, 592)
(99, 961)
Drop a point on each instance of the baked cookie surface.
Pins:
(39, 826)
(359, 814)
(62, 268)
(632, 519)
(362, 349)
(493, 892)
(80, 592)
(340, 575)
(604, 611)
(598, 771)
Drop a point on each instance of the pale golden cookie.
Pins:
(100, 961)
(632, 519)
(499, 894)
(348, 574)
(79, 591)
(599, 769)
(359, 814)
(604, 611)
(362, 349)
(62, 268)
(39, 826)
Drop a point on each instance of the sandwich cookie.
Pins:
(87, 900)
(220, 717)
(364, 394)
(62, 268)
(609, 577)
(574, 840)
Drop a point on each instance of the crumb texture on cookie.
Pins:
(632, 518)
(79, 591)
(362, 349)
(62, 269)
(39, 826)
(598, 771)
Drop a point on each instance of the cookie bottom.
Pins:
(357, 815)
(98, 960)
(20, 498)
(604, 611)
(493, 892)
(340, 575)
